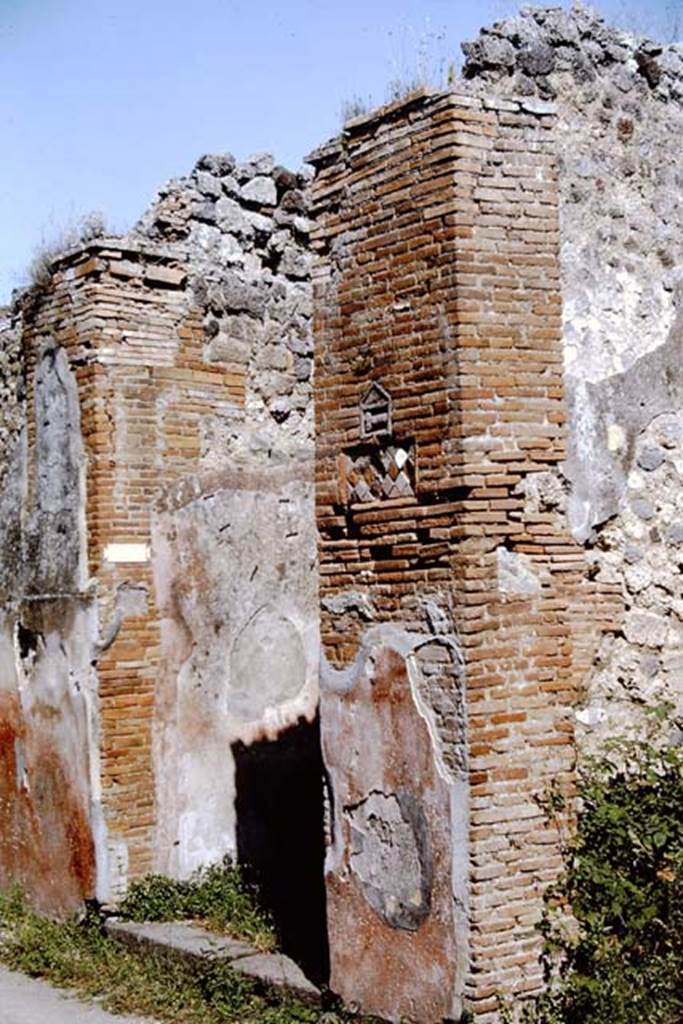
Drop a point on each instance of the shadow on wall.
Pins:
(280, 838)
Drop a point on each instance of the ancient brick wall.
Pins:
(163, 487)
(159, 633)
(620, 104)
(93, 341)
(448, 603)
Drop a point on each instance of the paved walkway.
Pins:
(25, 1000)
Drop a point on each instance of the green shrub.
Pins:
(619, 958)
(216, 895)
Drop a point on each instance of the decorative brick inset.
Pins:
(377, 473)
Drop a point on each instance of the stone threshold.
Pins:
(189, 941)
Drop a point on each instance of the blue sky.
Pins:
(103, 100)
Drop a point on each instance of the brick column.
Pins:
(126, 326)
(447, 594)
(153, 386)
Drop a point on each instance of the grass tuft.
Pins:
(217, 896)
(92, 225)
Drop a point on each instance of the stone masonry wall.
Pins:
(620, 106)
(11, 379)
(245, 229)
(450, 606)
(12, 439)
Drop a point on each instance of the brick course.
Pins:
(125, 317)
(437, 277)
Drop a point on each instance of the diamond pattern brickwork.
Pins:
(379, 474)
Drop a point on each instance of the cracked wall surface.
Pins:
(396, 809)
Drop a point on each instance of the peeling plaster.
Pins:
(353, 725)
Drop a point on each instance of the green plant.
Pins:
(617, 958)
(79, 955)
(91, 225)
(216, 895)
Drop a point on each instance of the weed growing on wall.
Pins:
(619, 958)
(355, 107)
(217, 896)
(420, 57)
(90, 226)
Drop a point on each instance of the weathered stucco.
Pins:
(397, 845)
(49, 789)
(236, 585)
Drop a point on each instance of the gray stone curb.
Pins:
(272, 970)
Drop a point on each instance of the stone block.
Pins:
(185, 940)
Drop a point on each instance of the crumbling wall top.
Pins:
(542, 49)
(461, 95)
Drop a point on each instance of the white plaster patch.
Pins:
(516, 573)
(126, 553)
(267, 666)
(591, 715)
(570, 355)
(616, 438)
(117, 861)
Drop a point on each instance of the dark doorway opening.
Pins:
(280, 839)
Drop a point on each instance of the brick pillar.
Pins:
(446, 593)
(125, 324)
(152, 389)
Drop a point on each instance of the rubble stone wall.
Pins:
(245, 229)
(11, 380)
(620, 106)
